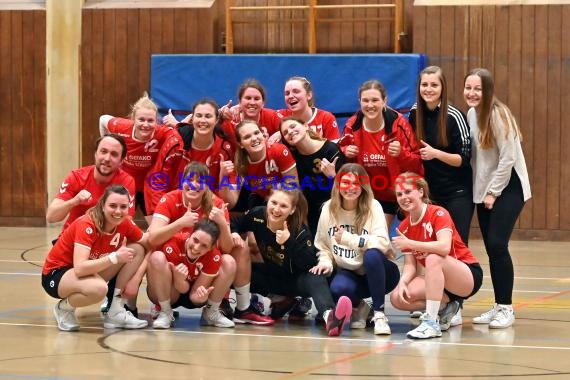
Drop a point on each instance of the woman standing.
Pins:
(382, 141)
(443, 134)
(500, 186)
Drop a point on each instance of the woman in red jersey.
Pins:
(92, 250)
(428, 237)
(381, 140)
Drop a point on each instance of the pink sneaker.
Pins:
(338, 317)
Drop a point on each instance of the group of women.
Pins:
(311, 210)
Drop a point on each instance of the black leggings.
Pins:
(496, 227)
(461, 210)
(302, 284)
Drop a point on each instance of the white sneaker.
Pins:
(164, 320)
(429, 328)
(487, 316)
(213, 317)
(154, 310)
(123, 320)
(381, 326)
(359, 315)
(65, 319)
(457, 319)
(505, 317)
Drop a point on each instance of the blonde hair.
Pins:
(144, 102)
(364, 204)
(416, 180)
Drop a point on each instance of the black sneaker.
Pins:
(280, 308)
(301, 309)
(226, 309)
(446, 314)
(250, 315)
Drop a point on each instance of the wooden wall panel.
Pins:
(23, 124)
(527, 48)
(117, 45)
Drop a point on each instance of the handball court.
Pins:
(538, 346)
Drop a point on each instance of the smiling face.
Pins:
(473, 90)
(349, 188)
(145, 123)
(279, 207)
(293, 131)
(115, 209)
(108, 156)
(251, 103)
(204, 119)
(430, 90)
(198, 244)
(409, 197)
(372, 103)
(193, 190)
(296, 96)
(251, 138)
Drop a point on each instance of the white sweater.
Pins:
(492, 167)
(350, 253)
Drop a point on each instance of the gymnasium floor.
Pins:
(537, 347)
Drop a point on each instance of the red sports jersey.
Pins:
(171, 207)
(262, 175)
(268, 123)
(83, 233)
(322, 122)
(84, 179)
(210, 157)
(140, 154)
(373, 150)
(434, 220)
(175, 252)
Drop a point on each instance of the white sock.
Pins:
(242, 297)
(165, 306)
(213, 305)
(117, 303)
(432, 308)
(65, 305)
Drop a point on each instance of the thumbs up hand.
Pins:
(281, 236)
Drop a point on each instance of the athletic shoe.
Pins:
(301, 309)
(457, 319)
(105, 306)
(256, 302)
(65, 319)
(164, 320)
(360, 315)
(381, 326)
(155, 310)
(504, 318)
(214, 317)
(446, 314)
(226, 308)
(416, 314)
(338, 317)
(429, 328)
(487, 316)
(280, 308)
(250, 315)
(123, 320)
(134, 312)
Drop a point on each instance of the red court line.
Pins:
(540, 299)
(345, 359)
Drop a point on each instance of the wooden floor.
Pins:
(538, 346)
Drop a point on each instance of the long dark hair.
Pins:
(422, 108)
(298, 218)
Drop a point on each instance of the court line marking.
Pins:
(343, 339)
